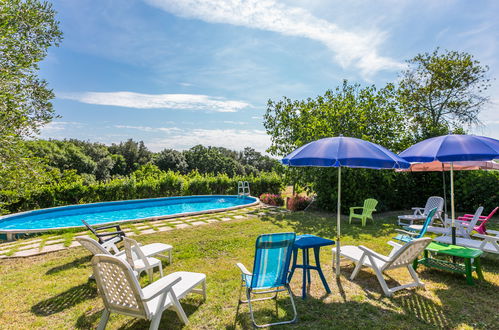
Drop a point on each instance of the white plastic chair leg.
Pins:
(149, 272)
(204, 289)
(155, 322)
(103, 320)
(382, 282)
(414, 275)
(160, 269)
(178, 309)
(358, 267)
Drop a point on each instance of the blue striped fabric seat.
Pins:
(272, 259)
(270, 271)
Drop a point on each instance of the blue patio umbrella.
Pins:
(344, 152)
(452, 148)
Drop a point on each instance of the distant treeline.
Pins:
(97, 161)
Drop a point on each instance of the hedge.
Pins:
(398, 191)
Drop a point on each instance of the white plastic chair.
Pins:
(463, 228)
(400, 256)
(122, 294)
(137, 259)
(149, 250)
(421, 213)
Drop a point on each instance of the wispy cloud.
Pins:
(233, 122)
(157, 101)
(349, 48)
(228, 138)
(149, 128)
(56, 126)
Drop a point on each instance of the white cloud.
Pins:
(232, 122)
(350, 48)
(149, 129)
(228, 138)
(56, 126)
(157, 101)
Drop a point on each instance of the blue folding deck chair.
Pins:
(270, 271)
(409, 234)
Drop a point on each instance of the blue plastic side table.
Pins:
(306, 242)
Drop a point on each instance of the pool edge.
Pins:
(10, 232)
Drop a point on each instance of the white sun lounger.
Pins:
(122, 294)
(400, 256)
(487, 243)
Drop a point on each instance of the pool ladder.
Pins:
(243, 188)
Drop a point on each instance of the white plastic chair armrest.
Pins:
(495, 232)
(418, 210)
(412, 233)
(394, 244)
(158, 287)
(487, 237)
(119, 254)
(374, 253)
(243, 269)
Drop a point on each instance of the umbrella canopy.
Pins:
(437, 166)
(343, 152)
(346, 152)
(453, 148)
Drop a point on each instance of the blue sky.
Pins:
(179, 73)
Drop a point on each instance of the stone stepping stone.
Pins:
(226, 219)
(30, 246)
(198, 223)
(54, 247)
(27, 253)
(213, 220)
(148, 231)
(239, 217)
(166, 228)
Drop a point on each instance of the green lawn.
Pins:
(52, 291)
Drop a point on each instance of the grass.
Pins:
(53, 291)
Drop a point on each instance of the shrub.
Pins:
(298, 203)
(272, 199)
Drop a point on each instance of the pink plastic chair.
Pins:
(481, 228)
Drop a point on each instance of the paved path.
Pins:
(50, 243)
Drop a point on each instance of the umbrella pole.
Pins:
(452, 202)
(445, 195)
(338, 224)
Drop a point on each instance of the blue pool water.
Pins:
(99, 213)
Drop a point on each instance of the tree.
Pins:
(170, 159)
(135, 154)
(441, 92)
(366, 113)
(27, 29)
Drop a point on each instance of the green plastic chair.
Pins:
(367, 211)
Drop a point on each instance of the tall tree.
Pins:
(441, 92)
(27, 29)
(349, 109)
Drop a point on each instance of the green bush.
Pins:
(397, 191)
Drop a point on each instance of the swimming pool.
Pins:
(121, 211)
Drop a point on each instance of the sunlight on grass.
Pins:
(53, 291)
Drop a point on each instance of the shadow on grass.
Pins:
(65, 300)
(169, 319)
(418, 312)
(70, 265)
